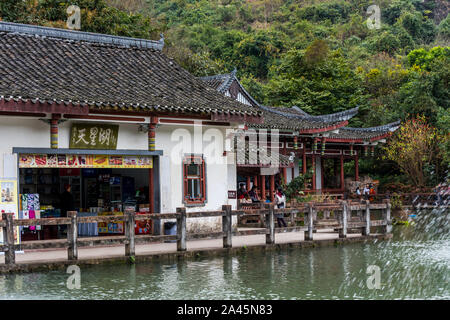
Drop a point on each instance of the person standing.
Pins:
(366, 192)
(280, 200)
(66, 201)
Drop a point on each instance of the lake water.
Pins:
(415, 264)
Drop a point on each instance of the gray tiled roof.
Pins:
(130, 75)
(285, 118)
(365, 133)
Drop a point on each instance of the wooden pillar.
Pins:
(270, 224)
(263, 188)
(129, 233)
(227, 226)
(343, 220)
(342, 172)
(387, 228)
(248, 183)
(54, 131)
(356, 168)
(181, 229)
(72, 234)
(309, 221)
(255, 181)
(366, 218)
(8, 238)
(272, 187)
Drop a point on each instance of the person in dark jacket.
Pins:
(66, 201)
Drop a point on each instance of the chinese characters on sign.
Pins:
(84, 161)
(94, 136)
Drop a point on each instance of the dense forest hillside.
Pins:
(321, 55)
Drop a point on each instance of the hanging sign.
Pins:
(9, 203)
(94, 136)
(84, 161)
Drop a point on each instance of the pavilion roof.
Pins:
(357, 135)
(284, 118)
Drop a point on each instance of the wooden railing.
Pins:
(342, 223)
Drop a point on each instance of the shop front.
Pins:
(102, 182)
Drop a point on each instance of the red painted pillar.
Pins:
(255, 181)
(314, 172)
(272, 187)
(342, 173)
(54, 131)
(263, 188)
(248, 183)
(356, 168)
(304, 160)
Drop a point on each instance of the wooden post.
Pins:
(292, 216)
(356, 168)
(270, 224)
(263, 188)
(130, 233)
(309, 221)
(343, 220)
(181, 229)
(72, 235)
(248, 183)
(272, 187)
(366, 219)
(227, 226)
(387, 217)
(8, 238)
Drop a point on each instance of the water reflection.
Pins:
(414, 265)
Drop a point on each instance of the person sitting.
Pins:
(242, 192)
(371, 192)
(254, 195)
(366, 192)
(358, 192)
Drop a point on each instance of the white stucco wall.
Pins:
(220, 171)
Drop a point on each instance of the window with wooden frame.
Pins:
(194, 180)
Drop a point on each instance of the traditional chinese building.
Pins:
(117, 120)
(318, 144)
